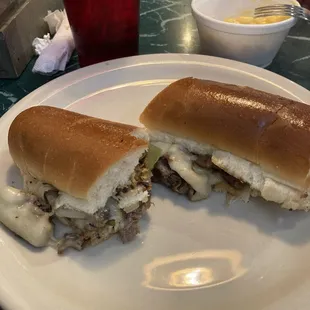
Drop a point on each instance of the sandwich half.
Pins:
(88, 173)
(213, 136)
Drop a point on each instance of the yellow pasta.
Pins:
(258, 20)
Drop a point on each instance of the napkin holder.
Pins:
(20, 22)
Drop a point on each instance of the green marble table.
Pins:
(167, 26)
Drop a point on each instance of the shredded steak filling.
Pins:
(162, 173)
(131, 226)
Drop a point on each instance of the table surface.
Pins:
(167, 26)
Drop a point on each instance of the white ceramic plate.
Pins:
(188, 255)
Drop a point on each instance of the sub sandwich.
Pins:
(209, 136)
(88, 173)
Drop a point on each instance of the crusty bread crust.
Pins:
(268, 130)
(68, 150)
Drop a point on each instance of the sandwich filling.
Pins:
(195, 175)
(120, 215)
(195, 170)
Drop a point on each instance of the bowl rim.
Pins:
(235, 27)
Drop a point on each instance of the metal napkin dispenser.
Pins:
(20, 22)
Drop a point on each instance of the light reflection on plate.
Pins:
(191, 277)
(196, 270)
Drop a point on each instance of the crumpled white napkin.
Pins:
(54, 54)
(41, 44)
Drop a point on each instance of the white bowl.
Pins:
(253, 44)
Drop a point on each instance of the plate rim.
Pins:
(81, 74)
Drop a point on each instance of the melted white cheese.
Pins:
(13, 195)
(181, 162)
(24, 218)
